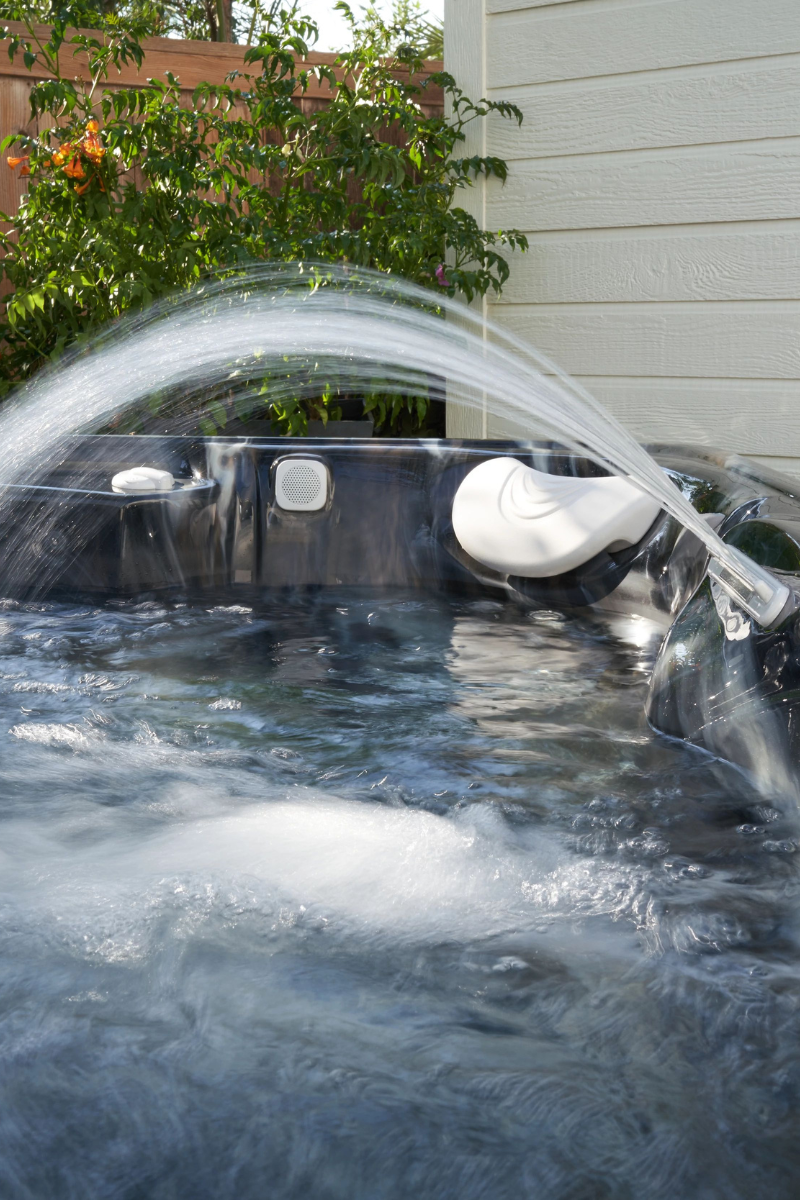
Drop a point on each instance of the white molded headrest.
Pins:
(143, 479)
(522, 522)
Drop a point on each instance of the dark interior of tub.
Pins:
(331, 868)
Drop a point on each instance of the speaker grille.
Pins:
(301, 484)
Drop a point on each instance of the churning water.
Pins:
(378, 897)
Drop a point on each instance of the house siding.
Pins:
(657, 175)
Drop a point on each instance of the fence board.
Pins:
(193, 61)
(15, 111)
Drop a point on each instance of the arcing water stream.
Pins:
(300, 327)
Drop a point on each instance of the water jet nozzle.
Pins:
(756, 590)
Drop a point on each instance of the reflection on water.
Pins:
(379, 897)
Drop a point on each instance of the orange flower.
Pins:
(76, 156)
(14, 162)
(64, 152)
(90, 146)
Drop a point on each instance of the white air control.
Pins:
(143, 479)
(301, 484)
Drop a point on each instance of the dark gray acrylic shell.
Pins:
(718, 681)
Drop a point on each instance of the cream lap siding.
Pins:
(657, 175)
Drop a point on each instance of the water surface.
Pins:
(376, 897)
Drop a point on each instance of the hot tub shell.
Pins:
(386, 523)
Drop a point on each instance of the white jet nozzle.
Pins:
(756, 590)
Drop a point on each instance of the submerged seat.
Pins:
(520, 521)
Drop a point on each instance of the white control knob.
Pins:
(143, 479)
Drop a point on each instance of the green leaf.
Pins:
(218, 413)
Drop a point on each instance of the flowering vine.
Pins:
(81, 159)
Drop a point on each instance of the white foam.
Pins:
(73, 737)
(364, 872)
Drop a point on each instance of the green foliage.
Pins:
(408, 27)
(133, 196)
(203, 20)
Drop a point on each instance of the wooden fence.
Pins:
(191, 62)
